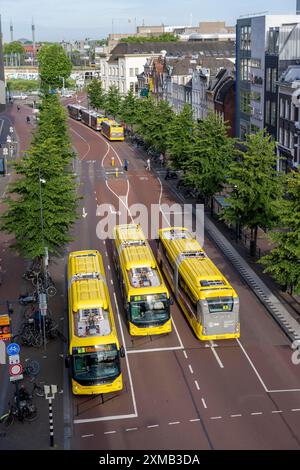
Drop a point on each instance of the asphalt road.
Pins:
(179, 393)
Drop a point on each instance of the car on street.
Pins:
(20, 96)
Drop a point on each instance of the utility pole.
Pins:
(33, 41)
(11, 28)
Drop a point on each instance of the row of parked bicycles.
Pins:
(22, 408)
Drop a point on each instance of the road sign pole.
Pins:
(51, 424)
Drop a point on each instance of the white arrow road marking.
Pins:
(84, 214)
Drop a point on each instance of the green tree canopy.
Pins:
(14, 47)
(180, 137)
(54, 65)
(96, 94)
(165, 37)
(284, 260)
(209, 156)
(256, 185)
(129, 109)
(113, 101)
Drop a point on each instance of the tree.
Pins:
(113, 101)
(209, 155)
(154, 121)
(129, 109)
(54, 66)
(23, 216)
(96, 94)
(13, 47)
(256, 186)
(45, 182)
(179, 137)
(283, 261)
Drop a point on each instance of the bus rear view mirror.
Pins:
(122, 351)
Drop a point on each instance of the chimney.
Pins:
(11, 28)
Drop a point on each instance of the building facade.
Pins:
(258, 58)
(2, 82)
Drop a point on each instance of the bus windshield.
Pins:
(96, 363)
(220, 304)
(147, 309)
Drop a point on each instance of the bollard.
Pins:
(117, 172)
(112, 161)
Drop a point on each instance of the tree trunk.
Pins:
(253, 242)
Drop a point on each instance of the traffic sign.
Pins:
(11, 129)
(8, 138)
(12, 349)
(5, 332)
(15, 359)
(5, 151)
(15, 369)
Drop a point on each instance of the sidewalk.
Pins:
(33, 435)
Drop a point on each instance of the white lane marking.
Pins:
(153, 426)
(137, 351)
(112, 282)
(204, 403)
(216, 355)
(296, 409)
(131, 429)
(258, 413)
(82, 138)
(121, 200)
(159, 202)
(174, 422)
(110, 432)
(191, 369)
(176, 331)
(235, 416)
(194, 420)
(197, 385)
(287, 390)
(215, 417)
(1, 127)
(108, 267)
(87, 435)
(116, 417)
(252, 365)
(277, 411)
(185, 354)
(126, 356)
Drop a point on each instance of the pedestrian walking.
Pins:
(162, 159)
(18, 108)
(28, 119)
(126, 164)
(148, 167)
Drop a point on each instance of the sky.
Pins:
(57, 20)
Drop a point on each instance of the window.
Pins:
(122, 70)
(131, 73)
(273, 80)
(244, 70)
(136, 88)
(291, 140)
(245, 38)
(268, 79)
(281, 135)
(268, 110)
(286, 138)
(281, 108)
(245, 102)
(287, 110)
(273, 114)
(243, 131)
(255, 63)
(131, 86)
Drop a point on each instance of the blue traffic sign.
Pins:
(12, 349)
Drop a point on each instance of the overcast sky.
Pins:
(56, 20)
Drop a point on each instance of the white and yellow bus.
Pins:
(208, 301)
(146, 297)
(112, 130)
(94, 350)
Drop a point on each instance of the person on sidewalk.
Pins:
(28, 119)
(148, 167)
(18, 108)
(162, 159)
(126, 164)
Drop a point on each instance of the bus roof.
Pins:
(199, 272)
(91, 313)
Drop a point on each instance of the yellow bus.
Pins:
(208, 301)
(94, 350)
(112, 130)
(146, 297)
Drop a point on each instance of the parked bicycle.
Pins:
(22, 409)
